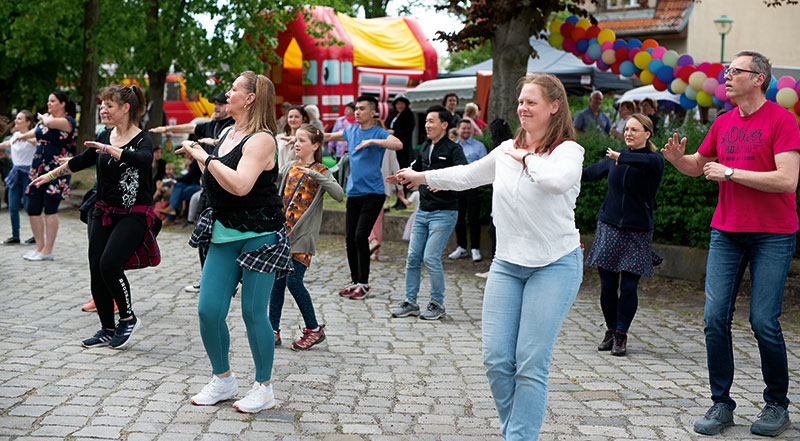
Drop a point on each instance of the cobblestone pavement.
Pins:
(375, 378)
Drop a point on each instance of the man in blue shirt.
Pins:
(365, 192)
(592, 118)
(468, 199)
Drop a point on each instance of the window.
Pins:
(330, 72)
(619, 4)
(310, 72)
(172, 91)
(347, 72)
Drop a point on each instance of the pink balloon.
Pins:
(607, 45)
(568, 45)
(632, 53)
(785, 82)
(586, 59)
(676, 72)
(703, 67)
(710, 85)
(659, 52)
(719, 92)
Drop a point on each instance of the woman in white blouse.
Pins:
(537, 269)
(22, 151)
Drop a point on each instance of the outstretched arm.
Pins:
(690, 165)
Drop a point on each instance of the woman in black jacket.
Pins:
(622, 247)
(400, 123)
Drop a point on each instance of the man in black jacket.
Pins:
(434, 222)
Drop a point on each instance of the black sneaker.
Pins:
(715, 419)
(123, 333)
(772, 421)
(101, 338)
(11, 241)
(608, 341)
(30, 241)
(620, 344)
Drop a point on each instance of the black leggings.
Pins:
(109, 248)
(362, 211)
(468, 206)
(618, 311)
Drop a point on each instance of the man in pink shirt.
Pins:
(752, 151)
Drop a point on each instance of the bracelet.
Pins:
(50, 174)
(103, 148)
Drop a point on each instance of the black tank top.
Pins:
(259, 211)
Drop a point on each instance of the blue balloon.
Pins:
(664, 74)
(686, 103)
(581, 45)
(772, 93)
(627, 68)
(572, 19)
(716, 101)
(593, 41)
(634, 42)
(773, 83)
(649, 50)
(654, 65)
(619, 43)
(594, 51)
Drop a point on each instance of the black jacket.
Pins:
(632, 187)
(445, 154)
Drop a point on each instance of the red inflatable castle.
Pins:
(381, 57)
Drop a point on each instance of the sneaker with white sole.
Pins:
(458, 253)
(192, 288)
(476, 255)
(406, 309)
(101, 338)
(123, 332)
(216, 390)
(37, 256)
(259, 397)
(434, 311)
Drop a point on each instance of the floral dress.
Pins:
(50, 144)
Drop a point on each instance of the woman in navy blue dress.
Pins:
(622, 248)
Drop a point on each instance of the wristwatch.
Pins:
(729, 173)
(209, 159)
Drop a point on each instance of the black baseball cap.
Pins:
(221, 98)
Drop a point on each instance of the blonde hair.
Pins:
(560, 128)
(471, 111)
(647, 123)
(261, 114)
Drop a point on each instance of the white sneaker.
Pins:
(192, 288)
(30, 254)
(476, 255)
(215, 391)
(37, 256)
(458, 253)
(259, 398)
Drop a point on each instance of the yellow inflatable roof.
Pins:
(384, 42)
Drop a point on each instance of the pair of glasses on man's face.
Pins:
(733, 71)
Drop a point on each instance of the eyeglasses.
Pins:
(632, 130)
(733, 71)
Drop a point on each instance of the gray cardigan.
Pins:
(304, 235)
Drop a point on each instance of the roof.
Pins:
(432, 92)
(383, 42)
(669, 16)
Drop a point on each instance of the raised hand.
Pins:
(674, 150)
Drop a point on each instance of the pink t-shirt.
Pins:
(751, 143)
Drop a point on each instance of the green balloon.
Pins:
(670, 58)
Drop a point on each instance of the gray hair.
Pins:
(759, 63)
(596, 92)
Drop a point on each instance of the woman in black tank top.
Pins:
(245, 238)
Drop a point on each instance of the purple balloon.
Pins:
(685, 59)
(728, 106)
(721, 77)
(602, 66)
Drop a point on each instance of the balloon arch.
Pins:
(697, 84)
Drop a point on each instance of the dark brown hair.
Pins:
(316, 136)
(302, 111)
(132, 95)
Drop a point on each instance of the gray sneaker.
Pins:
(716, 419)
(772, 421)
(406, 309)
(434, 311)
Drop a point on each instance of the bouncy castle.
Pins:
(381, 57)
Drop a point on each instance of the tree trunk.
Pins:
(158, 79)
(88, 88)
(510, 51)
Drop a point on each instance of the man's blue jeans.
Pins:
(769, 255)
(523, 309)
(429, 236)
(181, 192)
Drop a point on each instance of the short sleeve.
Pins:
(787, 133)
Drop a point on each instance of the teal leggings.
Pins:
(221, 273)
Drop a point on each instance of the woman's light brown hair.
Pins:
(560, 127)
(261, 113)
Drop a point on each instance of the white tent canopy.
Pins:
(431, 92)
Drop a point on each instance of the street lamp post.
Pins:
(724, 25)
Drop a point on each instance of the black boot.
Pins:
(620, 341)
(608, 341)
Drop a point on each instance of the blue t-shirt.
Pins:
(365, 164)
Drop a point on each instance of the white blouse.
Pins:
(21, 151)
(534, 212)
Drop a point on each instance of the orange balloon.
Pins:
(649, 43)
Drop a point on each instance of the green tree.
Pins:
(508, 25)
(469, 57)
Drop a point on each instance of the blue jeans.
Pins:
(523, 309)
(16, 200)
(181, 192)
(220, 276)
(769, 255)
(429, 236)
(301, 296)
